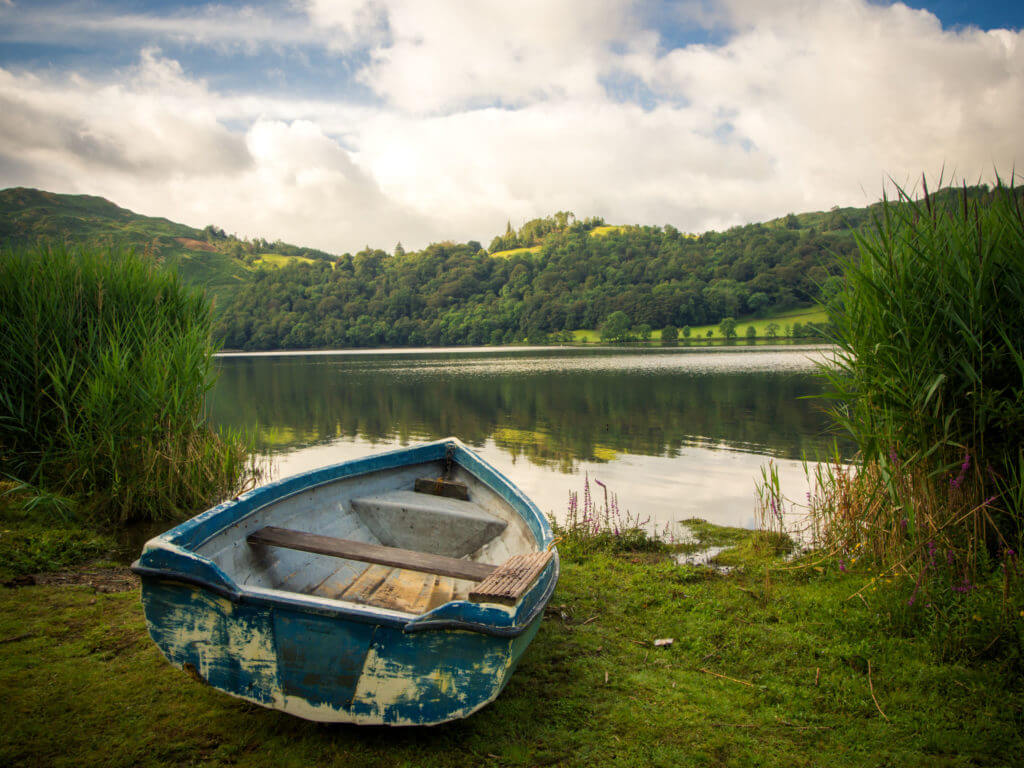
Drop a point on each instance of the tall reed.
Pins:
(928, 377)
(105, 362)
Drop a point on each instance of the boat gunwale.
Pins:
(182, 541)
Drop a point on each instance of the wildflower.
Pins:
(958, 480)
(842, 566)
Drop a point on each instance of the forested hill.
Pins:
(551, 276)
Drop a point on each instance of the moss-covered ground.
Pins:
(777, 671)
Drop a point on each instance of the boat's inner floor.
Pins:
(395, 588)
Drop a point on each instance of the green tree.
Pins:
(686, 331)
(728, 327)
(643, 331)
(751, 332)
(616, 327)
(669, 333)
(772, 330)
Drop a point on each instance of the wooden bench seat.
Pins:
(498, 584)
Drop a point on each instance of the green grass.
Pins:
(514, 251)
(803, 316)
(278, 260)
(815, 314)
(776, 673)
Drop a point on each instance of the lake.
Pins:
(674, 432)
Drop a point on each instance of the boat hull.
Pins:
(328, 669)
(325, 659)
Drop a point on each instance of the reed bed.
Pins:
(105, 363)
(928, 376)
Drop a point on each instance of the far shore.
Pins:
(655, 346)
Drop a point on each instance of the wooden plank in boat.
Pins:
(365, 584)
(401, 590)
(442, 592)
(509, 582)
(438, 486)
(372, 553)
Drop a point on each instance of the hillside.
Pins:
(549, 278)
(208, 257)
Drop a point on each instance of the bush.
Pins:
(105, 362)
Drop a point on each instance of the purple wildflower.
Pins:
(957, 481)
(842, 567)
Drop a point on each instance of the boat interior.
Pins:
(433, 533)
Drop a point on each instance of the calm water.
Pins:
(676, 433)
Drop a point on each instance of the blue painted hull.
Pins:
(329, 660)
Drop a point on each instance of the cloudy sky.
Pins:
(341, 123)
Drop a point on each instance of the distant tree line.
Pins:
(637, 278)
(626, 281)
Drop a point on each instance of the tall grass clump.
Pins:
(928, 377)
(105, 363)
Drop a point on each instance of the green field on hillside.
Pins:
(803, 316)
(514, 251)
(279, 260)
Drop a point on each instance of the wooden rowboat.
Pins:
(401, 588)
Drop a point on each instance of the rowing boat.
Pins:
(401, 588)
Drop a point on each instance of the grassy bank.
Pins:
(786, 672)
(699, 332)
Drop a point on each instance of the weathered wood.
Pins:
(443, 591)
(438, 486)
(363, 587)
(371, 553)
(402, 589)
(510, 582)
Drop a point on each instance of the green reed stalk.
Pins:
(928, 374)
(105, 363)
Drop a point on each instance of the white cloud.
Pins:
(447, 54)
(805, 105)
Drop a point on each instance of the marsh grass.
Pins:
(928, 375)
(105, 363)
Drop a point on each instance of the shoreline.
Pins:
(741, 345)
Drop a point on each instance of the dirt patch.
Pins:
(100, 579)
(196, 245)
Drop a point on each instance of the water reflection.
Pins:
(677, 432)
